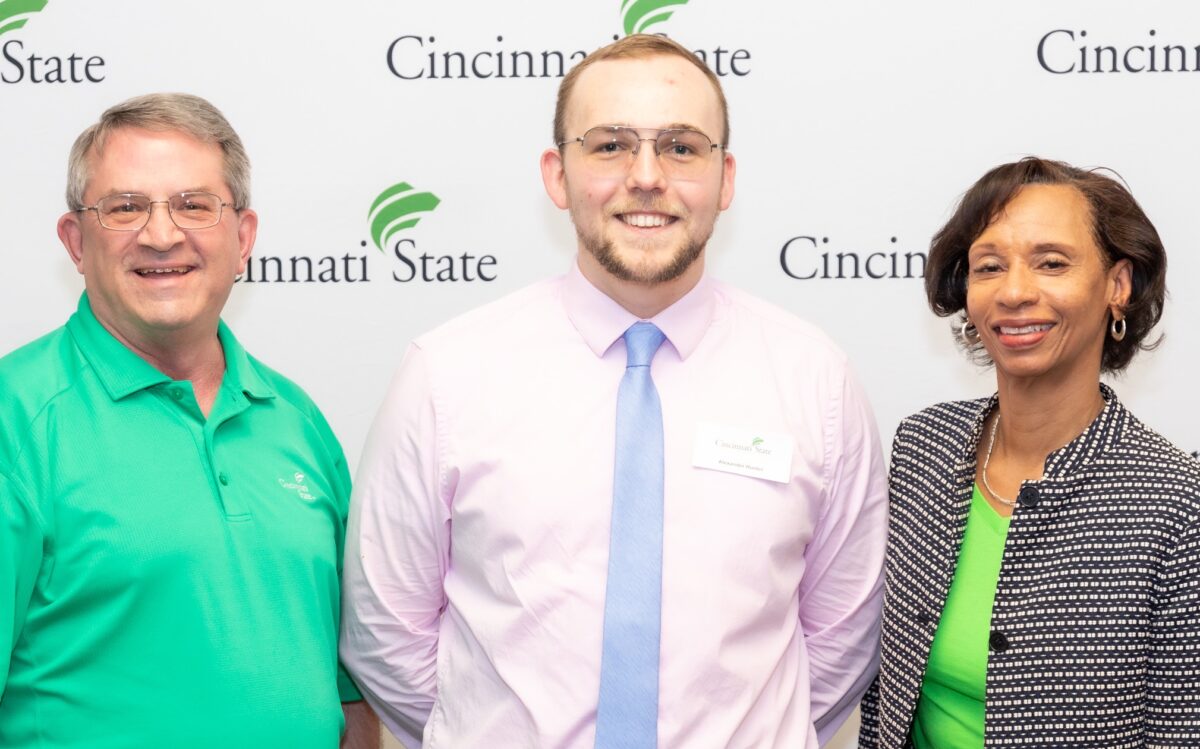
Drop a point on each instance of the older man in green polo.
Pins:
(171, 510)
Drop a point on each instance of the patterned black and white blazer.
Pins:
(1095, 637)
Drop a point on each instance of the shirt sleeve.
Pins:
(842, 590)
(397, 553)
(340, 482)
(871, 708)
(868, 728)
(21, 539)
(347, 690)
(1173, 670)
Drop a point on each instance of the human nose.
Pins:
(646, 171)
(160, 232)
(1018, 286)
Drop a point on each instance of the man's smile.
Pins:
(646, 220)
(164, 270)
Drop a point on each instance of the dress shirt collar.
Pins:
(601, 321)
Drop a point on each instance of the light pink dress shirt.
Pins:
(477, 549)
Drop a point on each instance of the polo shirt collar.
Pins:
(119, 370)
(241, 375)
(122, 372)
(601, 321)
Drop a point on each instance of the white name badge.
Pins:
(760, 455)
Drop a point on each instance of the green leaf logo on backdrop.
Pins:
(14, 13)
(641, 14)
(391, 211)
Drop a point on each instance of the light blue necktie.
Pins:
(627, 714)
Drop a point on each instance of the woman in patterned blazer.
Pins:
(1043, 573)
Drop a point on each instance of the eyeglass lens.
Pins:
(189, 210)
(682, 154)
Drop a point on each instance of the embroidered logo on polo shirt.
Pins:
(298, 485)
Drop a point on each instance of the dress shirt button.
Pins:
(997, 641)
(176, 393)
(223, 478)
(1029, 497)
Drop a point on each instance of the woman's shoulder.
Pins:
(935, 439)
(946, 419)
(1146, 453)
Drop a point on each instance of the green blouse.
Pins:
(950, 711)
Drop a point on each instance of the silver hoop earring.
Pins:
(1117, 329)
(968, 333)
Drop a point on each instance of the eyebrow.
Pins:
(672, 126)
(1040, 247)
(139, 192)
(1053, 247)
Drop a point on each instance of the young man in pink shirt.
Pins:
(629, 506)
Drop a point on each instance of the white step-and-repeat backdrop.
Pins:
(856, 126)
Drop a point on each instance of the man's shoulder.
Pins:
(299, 414)
(286, 389)
(31, 377)
(786, 328)
(35, 359)
(496, 323)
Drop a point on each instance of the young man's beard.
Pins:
(605, 253)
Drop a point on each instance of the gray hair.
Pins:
(182, 112)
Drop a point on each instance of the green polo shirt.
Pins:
(166, 580)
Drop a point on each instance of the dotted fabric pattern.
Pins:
(1095, 632)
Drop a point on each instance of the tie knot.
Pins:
(641, 342)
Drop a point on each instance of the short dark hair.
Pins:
(634, 47)
(1119, 226)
